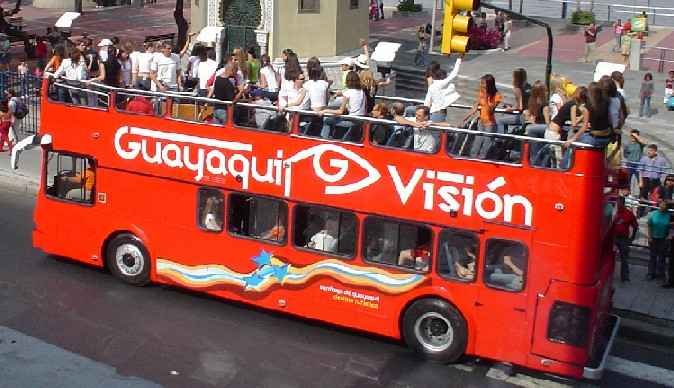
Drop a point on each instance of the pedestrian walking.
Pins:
(625, 228)
(590, 40)
(507, 31)
(658, 233)
(632, 153)
(381, 8)
(652, 167)
(617, 34)
(422, 38)
(645, 94)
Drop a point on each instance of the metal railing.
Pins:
(27, 89)
(662, 58)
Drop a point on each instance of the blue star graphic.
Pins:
(280, 272)
(264, 258)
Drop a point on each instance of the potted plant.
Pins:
(582, 18)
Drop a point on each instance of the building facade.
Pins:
(309, 27)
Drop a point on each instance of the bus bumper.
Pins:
(595, 370)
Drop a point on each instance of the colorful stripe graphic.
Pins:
(271, 271)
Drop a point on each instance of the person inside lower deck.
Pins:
(506, 265)
(212, 215)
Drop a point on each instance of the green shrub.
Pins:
(582, 17)
(409, 6)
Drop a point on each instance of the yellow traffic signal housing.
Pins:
(455, 27)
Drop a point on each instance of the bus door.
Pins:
(501, 306)
(69, 188)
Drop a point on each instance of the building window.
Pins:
(211, 210)
(70, 177)
(505, 265)
(309, 6)
(257, 217)
(457, 255)
(325, 230)
(397, 243)
(354, 4)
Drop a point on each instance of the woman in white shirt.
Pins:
(317, 89)
(205, 70)
(72, 69)
(141, 67)
(442, 93)
(269, 79)
(353, 103)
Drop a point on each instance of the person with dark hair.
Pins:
(442, 92)
(253, 65)
(316, 86)
(165, 70)
(571, 112)
(619, 80)
(270, 80)
(205, 70)
(624, 230)
(632, 153)
(645, 94)
(353, 102)
(596, 128)
(537, 113)
(658, 232)
(223, 89)
(71, 69)
(489, 99)
(590, 40)
(521, 92)
(615, 110)
(652, 167)
(110, 69)
(291, 72)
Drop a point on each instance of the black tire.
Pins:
(434, 316)
(132, 263)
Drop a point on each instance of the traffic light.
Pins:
(455, 27)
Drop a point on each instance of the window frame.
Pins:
(45, 176)
(354, 4)
(198, 209)
(460, 157)
(572, 159)
(399, 222)
(484, 264)
(252, 238)
(318, 251)
(301, 9)
(248, 106)
(466, 233)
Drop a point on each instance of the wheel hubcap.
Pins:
(129, 258)
(434, 332)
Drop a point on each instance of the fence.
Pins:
(660, 12)
(27, 89)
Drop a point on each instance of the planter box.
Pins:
(407, 14)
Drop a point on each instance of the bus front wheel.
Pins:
(435, 329)
(128, 260)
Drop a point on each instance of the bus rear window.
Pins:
(325, 230)
(505, 265)
(258, 217)
(70, 177)
(397, 243)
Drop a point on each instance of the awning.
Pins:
(66, 20)
(209, 34)
(385, 52)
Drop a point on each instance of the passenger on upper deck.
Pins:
(596, 127)
(522, 91)
(165, 70)
(223, 89)
(442, 92)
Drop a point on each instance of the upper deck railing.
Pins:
(500, 148)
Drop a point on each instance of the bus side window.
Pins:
(505, 265)
(458, 251)
(211, 211)
(70, 177)
(257, 217)
(326, 230)
(397, 243)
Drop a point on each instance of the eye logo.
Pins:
(341, 165)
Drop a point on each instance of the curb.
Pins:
(16, 182)
(645, 329)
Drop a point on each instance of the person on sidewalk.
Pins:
(625, 228)
(590, 40)
(617, 34)
(632, 153)
(420, 58)
(381, 9)
(651, 168)
(658, 233)
(646, 93)
(669, 86)
(507, 32)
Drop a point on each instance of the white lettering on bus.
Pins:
(447, 191)
(488, 204)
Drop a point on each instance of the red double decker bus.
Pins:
(469, 246)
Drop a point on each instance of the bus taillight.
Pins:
(569, 324)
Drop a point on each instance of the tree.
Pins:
(183, 26)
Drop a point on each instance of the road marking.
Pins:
(641, 371)
(523, 380)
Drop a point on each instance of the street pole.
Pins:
(432, 43)
(548, 66)
(78, 6)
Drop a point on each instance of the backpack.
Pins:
(21, 109)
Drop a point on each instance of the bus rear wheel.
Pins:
(128, 260)
(435, 329)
